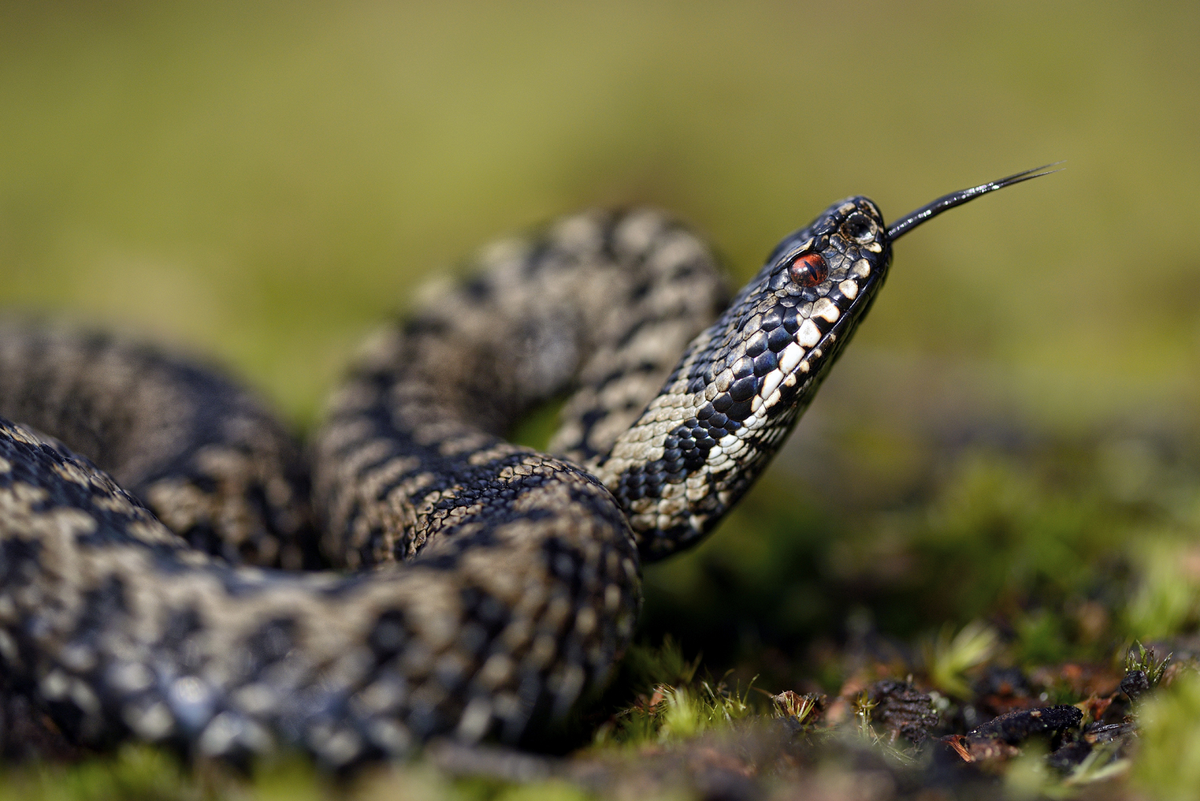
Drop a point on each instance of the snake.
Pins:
(172, 570)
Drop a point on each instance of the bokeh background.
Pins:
(263, 183)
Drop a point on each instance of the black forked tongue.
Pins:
(925, 213)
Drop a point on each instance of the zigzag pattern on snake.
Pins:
(520, 582)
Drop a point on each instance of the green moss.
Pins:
(1167, 764)
(134, 773)
(1167, 599)
(951, 655)
(670, 703)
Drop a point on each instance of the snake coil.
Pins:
(520, 582)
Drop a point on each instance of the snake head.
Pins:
(801, 308)
(744, 381)
(786, 326)
(784, 330)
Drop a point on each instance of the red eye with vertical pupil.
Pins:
(809, 269)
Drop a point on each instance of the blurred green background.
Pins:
(264, 182)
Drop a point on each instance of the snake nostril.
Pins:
(859, 228)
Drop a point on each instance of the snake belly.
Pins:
(483, 586)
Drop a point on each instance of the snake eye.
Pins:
(808, 269)
(859, 228)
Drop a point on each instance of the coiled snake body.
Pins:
(521, 582)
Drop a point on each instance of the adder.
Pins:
(167, 612)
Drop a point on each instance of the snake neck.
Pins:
(598, 305)
(617, 298)
(744, 382)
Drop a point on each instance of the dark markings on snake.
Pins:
(480, 587)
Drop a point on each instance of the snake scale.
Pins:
(519, 586)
